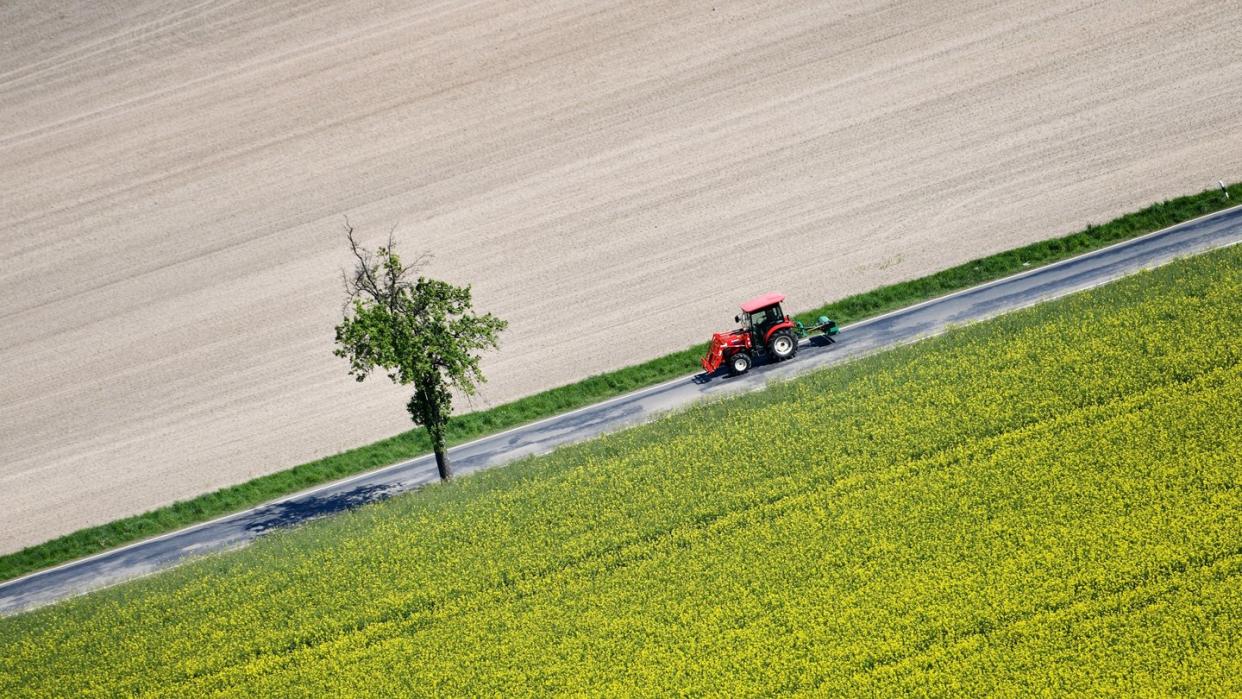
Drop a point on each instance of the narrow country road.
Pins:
(899, 327)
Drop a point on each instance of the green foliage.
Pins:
(482, 422)
(427, 330)
(999, 510)
(420, 331)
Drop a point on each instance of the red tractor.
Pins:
(766, 331)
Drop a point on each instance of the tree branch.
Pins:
(364, 281)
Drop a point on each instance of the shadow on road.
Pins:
(287, 514)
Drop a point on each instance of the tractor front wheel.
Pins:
(783, 345)
(739, 363)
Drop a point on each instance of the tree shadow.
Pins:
(291, 512)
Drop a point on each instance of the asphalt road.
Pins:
(899, 327)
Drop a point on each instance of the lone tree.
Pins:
(419, 331)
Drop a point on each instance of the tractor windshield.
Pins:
(765, 317)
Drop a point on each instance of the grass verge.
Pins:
(413, 443)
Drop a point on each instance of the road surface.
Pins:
(889, 330)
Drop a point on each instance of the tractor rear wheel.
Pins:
(739, 363)
(783, 345)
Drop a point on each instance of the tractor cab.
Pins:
(761, 315)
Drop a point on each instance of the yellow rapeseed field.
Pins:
(1046, 503)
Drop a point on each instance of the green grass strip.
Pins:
(412, 443)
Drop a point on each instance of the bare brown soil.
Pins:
(612, 179)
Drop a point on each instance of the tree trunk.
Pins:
(442, 460)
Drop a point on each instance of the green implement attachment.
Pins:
(824, 326)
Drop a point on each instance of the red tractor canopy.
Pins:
(762, 301)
